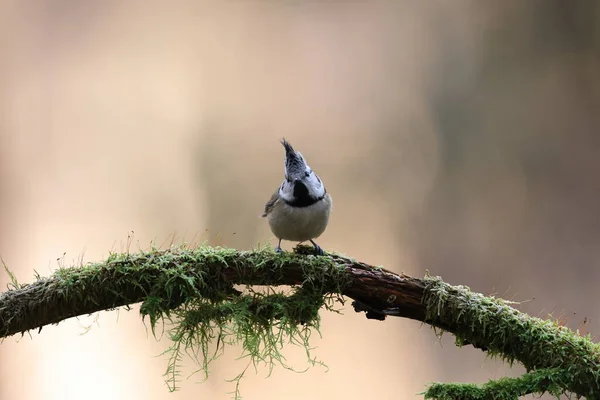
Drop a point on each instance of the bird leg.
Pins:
(278, 248)
(318, 250)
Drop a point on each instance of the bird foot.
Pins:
(278, 250)
(318, 250)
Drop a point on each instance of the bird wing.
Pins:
(271, 203)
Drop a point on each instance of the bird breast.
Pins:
(300, 223)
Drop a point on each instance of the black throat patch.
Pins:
(302, 198)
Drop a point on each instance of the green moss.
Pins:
(204, 310)
(536, 382)
(261, 323)
(14, 283)
(189, 292)
(562, 356)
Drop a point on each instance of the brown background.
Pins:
(458, 137)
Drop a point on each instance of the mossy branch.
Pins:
(539, 381)
(194, 289)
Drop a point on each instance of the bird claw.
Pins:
(278, 248)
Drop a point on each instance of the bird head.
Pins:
(301, 184)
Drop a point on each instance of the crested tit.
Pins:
(299, 210)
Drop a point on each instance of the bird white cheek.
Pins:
(286, 193)
(315, 187)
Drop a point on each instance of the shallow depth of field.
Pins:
(460, 138)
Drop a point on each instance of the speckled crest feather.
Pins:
(294, 162)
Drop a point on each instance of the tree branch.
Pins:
(168, 281)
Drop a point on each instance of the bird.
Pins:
(299, 210)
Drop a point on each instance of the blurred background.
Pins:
(455, 137)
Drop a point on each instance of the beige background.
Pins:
(458, 137)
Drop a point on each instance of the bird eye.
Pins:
(306, 173)
(287, 178)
